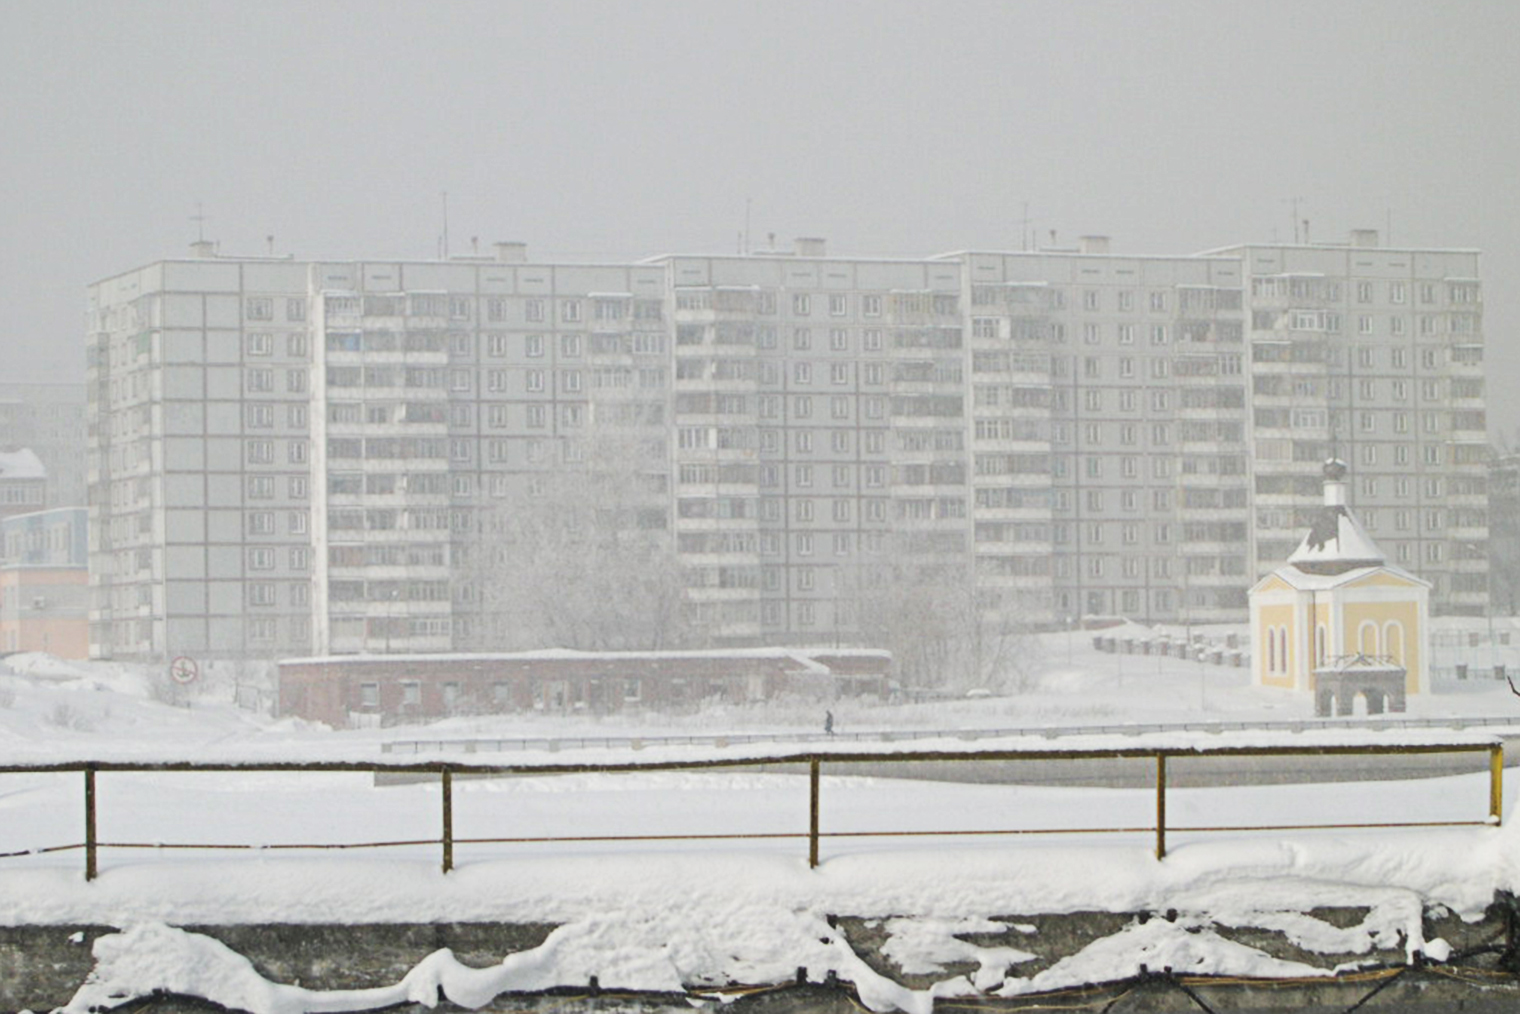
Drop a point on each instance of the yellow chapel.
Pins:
(1338, 620)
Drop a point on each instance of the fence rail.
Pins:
(815, 762)
(493, 744)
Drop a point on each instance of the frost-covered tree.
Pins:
(580, 556)
(941, 635)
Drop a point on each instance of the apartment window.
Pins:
(258, 308)
(535, 380)
(871, 340)
(839, 339)
(1364, 292)
(1090, 299)
(261, 558)
(260, 452)
(570, 345)
(802, 339)
(260, 344)
(870, 306)
(258, 380)
(1158, 302)
(802, 304)
(260, 522)
(839, 304)
(260, 415)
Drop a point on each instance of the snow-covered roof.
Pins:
(1310, 581)
(1359, 663)
(804, 657)
(21, 463)
(1336, 542)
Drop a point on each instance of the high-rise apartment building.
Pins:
(1374, 354)
(296, 457)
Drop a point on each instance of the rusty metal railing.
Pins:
(815, 762)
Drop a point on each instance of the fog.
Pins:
(619, 130)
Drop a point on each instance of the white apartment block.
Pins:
(1377, 354)
(292, 457)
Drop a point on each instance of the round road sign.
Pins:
(184, 669)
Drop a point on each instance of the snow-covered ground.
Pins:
(664, 914)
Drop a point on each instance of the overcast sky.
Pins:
(629, 129)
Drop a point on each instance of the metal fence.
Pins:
(498, 744)
(814, 763)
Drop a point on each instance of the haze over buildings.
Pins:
(608, 132)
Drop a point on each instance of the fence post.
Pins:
(1160, 805)
(1496, 782)
(813, 813)
(90, 865)
(448, 818)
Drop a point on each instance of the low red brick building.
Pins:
(345, 690)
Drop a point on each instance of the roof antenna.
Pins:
(443, 251)
(270, 240)
(199, 218)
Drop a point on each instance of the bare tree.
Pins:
(582, 556)
(941, 635)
